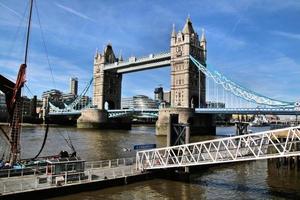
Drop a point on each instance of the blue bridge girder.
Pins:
(153, 113)
(250, 111)
(145, 113)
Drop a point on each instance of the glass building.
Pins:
(138, 102)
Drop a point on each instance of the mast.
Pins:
(15, 104)
(28, 32)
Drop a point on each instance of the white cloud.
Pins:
(11, 10)
(74, 12)
(286, 34)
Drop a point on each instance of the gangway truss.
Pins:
(263, 145)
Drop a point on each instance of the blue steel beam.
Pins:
(154, 112)
(250, 111)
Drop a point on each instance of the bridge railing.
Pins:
(110, 163)
(268, 144)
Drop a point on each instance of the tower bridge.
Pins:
(187, 82)
(191, 88)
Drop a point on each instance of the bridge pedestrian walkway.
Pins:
(263, 145)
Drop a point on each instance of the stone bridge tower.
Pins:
(187, 83)
(107, 84)
(188, 88)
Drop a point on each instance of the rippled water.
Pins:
(247, 180)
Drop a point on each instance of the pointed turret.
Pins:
(188, 27)
(120, 59)
(173, 36)
(96, 53)
(173, 31)
(203, 38)
(203, 44)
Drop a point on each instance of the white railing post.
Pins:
(36, 183)
(66, 177)
(90, 175)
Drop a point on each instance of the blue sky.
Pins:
(254, 43)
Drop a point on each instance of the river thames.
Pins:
(246, 180)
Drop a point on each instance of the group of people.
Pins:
(7, 165)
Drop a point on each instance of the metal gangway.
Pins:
(263, 145)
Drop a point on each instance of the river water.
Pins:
(251, 180)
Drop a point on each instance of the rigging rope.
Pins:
(44, 142)
(44, 44)
(69, 142)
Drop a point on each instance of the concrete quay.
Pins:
(97, 175)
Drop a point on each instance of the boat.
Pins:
(259, 120)
(53, 164)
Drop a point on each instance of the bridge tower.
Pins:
(107, 84)
(107, 92)
(187, 84)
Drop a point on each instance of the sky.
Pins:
(255, 43)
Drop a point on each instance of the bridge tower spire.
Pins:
(187, 84)
(203, 45)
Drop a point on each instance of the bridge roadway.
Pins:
(154, 112)
(138, 64)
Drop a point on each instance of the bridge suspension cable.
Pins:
(238, 90)
(71, 107)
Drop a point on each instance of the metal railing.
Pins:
(94, 171)
(28, 171)
(110, 163)
(24, 184)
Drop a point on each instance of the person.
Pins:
(7, 165)
(64, 154)
(73, 154)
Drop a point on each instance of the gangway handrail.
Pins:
(253, 146)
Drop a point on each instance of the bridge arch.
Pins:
(109, 105)
(194, 102)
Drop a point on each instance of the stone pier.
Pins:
(92, 118)
(96, 118)
(200, 124)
